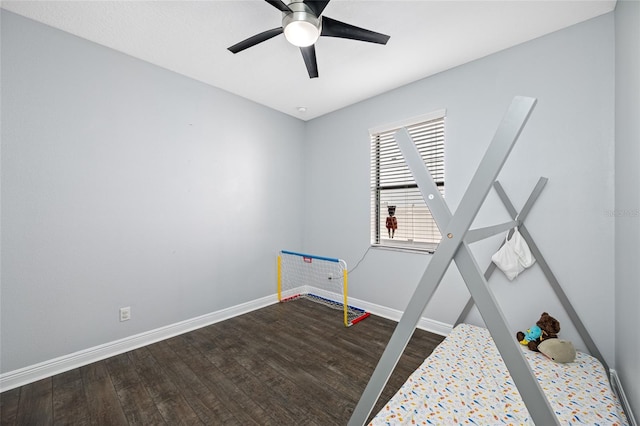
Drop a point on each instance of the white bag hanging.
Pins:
(522, 249)
(514, 256)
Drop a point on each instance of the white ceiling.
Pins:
(427, 36)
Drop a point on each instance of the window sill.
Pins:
(404, 248)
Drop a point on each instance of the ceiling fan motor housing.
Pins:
(302, 26)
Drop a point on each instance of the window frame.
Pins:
(376, 188)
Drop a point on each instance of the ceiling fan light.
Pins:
(301, 33)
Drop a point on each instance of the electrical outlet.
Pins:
(125, 314)
(330, 275)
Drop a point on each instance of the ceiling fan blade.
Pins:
(317, 6)
(333, 28)
(252, 41)
(280, 5)
(309, 56)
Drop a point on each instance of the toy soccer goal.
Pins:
(319, 279)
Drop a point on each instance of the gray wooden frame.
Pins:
(454, 247)
(519, 218)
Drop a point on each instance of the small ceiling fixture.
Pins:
(302, 25)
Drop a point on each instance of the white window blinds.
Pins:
(411, 226)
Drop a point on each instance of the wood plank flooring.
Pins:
(287, 364)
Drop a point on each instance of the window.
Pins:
(393, 189)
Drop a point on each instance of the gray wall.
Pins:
(627, 161)
(569, 139)
(127, 185)
(124, 184)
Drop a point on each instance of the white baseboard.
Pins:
(23, 376)
(619, 391)
(381, 311)
(436, 327)
(32, 373)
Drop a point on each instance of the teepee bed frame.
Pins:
(477, 375)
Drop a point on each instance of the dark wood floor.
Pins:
(287, 364)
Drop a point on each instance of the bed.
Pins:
(465, 381)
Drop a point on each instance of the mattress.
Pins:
(465, 382)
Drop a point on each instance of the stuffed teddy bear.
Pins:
(547, 327)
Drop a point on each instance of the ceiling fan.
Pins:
(302, 24)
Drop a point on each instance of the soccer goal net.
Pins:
(319, 279)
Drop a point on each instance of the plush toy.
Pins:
(558, 350)
(547, 327)
(531, 334)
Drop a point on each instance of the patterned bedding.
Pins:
(465, 382)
